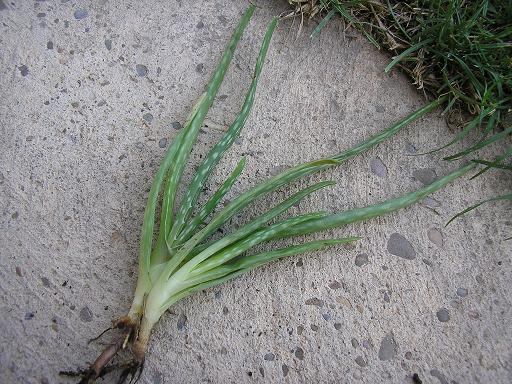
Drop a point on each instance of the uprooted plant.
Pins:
(184, 259)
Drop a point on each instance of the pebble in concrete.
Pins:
(162, 143)
(425, 175)
(443, 315)
(361, 361)
(80, 14)
(462, 292)
(23, 70)
(85, 314)
(361, 259)
(387, 349)
(315, 301)
(148, 118)
(410, 148)
(378, 167)
(399, 246)
(431, 203)
(438, 375)
(435, 236)
(182, 321)
(141, 70)
(269, 356)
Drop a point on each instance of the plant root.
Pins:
(134, 370)
(101, 334)
(103, 363)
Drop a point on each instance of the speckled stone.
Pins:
(378, 168)
(86, 314)
(435, 236)
(425, 175)
(387, 349)
(162, 143)
(315, 301)
(399, 246)
(141, 70)
(80, 14)
(443, 315)
(361, 259)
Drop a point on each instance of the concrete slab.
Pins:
(93, 92)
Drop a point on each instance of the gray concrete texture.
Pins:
(94, 91)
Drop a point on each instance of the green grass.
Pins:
(459, 50)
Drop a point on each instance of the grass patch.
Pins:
(457, 49)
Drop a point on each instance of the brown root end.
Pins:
(124, 322)
(139, 350)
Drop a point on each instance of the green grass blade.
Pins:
(491, 164)
(502, 197)
(481, 144)
(494, 164)
(192, 128)
(211, 161)
(406, 53)
(396, 21)
(211, 204)
(357, 24)
(385, 134)
(474, 123)
(323, 23)
(359, 214)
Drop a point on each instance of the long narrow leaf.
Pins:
(253, 261)
(211, 204)
(474, 123)
(225, 273)
(323, 23)
(481, 144)
(503, 197)
(210, 162)
(250, 241)
(493, 164)
(256, 223)
(286, 177)
(195, 124)
(359, 214)
(406, 53)
(149, 213)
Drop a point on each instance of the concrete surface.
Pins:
(93, 91)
